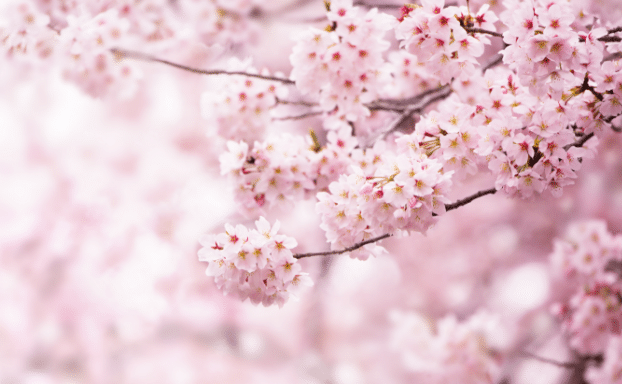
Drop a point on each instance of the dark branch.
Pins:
(493, 63)
(345, 250)
(301, 102)
(549, 361)
(121, 54)
(299, 117)
(417, 109)
(356, 246)
(402, 104)
(587, 87)
(580, 142)
(467, 200)
(485, 31)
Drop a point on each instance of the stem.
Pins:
(349, 249)
(408, 112)
(299, 117)
(580, 142)
(493, 63)
(466, 200)
(120, 54)
(356, 246)
(585, 86)
(301, 102)
(549, 361)
(389, 103)
(485, 31)
(379, 6)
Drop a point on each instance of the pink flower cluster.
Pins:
(257, 264)
(526, 142)
(435, 35)
(544, 46)
(403, 195)
(25, 36)
(284, 169)
(609, 83)
(439, 352)
(87, 42)
(239, 108)
(342, 65)
(590, 257)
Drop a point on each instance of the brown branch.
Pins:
(550, 361)
(485, 31)
(408, 112)
(466, 200)
(356, 246)
(345, 250)
(121, 54)
(580, 142)
(299, 117)
(404, 103)
(493, 63)
(585, 86)
(301, 102)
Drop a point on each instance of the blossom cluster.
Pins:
(591, 258)
(80, 37)
(527, 143)
(403, 195)
(439, 352)
(342, 66)
(544, 46)
(257, 264)
(239, 108)
(283, 169)
(436, 35)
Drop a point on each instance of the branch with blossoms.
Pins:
(448, 207)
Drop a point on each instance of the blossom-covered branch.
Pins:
(345, 250)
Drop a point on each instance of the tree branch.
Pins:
(301, 102)
(580, 142)
(356, 246)
(549, 361)
(299, 117)
(402, 104)
(466, 200)
(345, 250)
(498, 60)
(408, 112)
(485, 31)
(121, 54)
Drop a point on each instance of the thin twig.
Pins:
(345, 250)
(610, 39)
(549, 361)
(300, 102)
(613, 56)
(580, 142)
(466, 200)
(585, 86)
(356, 246)
(493, 63)
(299, 117)
(408, 112)
(121, 53)
(407, 102)
(485, 31)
